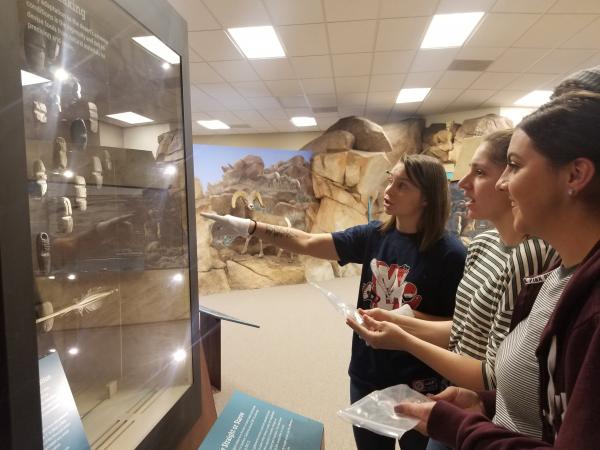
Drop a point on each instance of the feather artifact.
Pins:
(90, 301)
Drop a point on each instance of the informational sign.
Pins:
(61, 425)
(248, 423)
(65, 23)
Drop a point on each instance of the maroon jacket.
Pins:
(569, 361)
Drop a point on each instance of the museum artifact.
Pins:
(41, 185)
(43, 252)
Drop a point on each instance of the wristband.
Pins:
(250, 233)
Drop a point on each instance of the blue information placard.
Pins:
(248, 423)
(61, 424)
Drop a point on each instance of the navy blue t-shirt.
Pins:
(395, 272)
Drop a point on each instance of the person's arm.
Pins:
(319, 245)
(430, 317)
(436, 332)
(468, 430)
(461, 370)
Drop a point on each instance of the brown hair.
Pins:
(498, 142)
(567, 128)
(428, 174)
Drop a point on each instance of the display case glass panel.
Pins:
(102, 100)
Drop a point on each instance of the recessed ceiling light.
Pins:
(534, 98)
(257, 42)
(157, 47)
(450, 30)
(213, 124)
(129, 117)
(303, 121)
(412, 95)
(28, 78)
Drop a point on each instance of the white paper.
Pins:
(339, 304)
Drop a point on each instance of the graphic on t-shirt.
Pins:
(389, 284)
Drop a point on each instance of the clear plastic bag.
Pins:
(375, 412)
(341, 306)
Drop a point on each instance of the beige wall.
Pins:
(294, 141)
(144, 137)
(284, 141)
(513, 113)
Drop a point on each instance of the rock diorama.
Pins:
(340, 187)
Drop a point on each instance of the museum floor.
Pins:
(298, 359)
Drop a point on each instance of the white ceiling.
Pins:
(356, 55)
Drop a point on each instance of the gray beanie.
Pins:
(586, 79)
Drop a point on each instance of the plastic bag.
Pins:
(404, 310)
(339, 304)
(375, 412)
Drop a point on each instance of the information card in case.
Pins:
(61, 424)
(249, 423)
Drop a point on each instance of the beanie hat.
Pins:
(586, 79)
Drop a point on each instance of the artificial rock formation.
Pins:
(333, 140)
(349, 184)
(254, 273)
(368, 136)
(479, 126)
(170, 146)
(405, 137)
(438, 140)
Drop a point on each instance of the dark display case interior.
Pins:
(107, 200)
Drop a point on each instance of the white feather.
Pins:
(90, 301)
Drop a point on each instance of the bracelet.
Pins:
(250, 233)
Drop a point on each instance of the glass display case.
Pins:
(108, 190)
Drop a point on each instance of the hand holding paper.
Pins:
(380, 334)
(342, 307)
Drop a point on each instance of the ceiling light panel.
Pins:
(303, 121)
(450, 30)
(158, 48)
(213, 124)
(534, 98)
(130, 118)
(257, 42)
(412, 95)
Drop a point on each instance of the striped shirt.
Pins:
(487, 292)
(517, 397)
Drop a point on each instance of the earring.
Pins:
(571, 192)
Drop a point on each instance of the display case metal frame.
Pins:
(20, 417)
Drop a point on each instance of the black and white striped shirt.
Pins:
(517, 370)
(487, 292)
